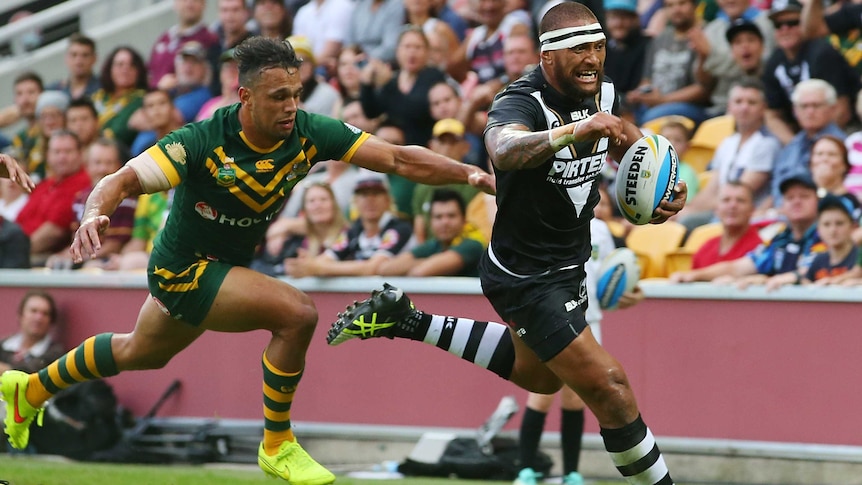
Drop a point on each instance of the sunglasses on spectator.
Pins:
(785, 23)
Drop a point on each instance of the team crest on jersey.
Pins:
(263, 166)
(177, 152)
(226, 176)
(206, 211)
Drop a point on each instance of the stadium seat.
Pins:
(654, 126)
(652, 243)
(706, 139)
(704, 177)
(681, 259)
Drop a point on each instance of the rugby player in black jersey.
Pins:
(547, 135)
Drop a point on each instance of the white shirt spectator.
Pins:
(323, 21)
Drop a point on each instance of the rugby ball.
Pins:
(646, 176)
(618, 274)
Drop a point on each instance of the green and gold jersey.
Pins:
(227, 189)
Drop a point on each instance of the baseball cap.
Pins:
(781, 6)
(624, 5)
(742, 25)
(194, 49)
(831, 201)
(227, 55)
(302, 45)
(448, 125)
(371, 181)
(802, 179)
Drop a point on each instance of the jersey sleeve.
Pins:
(512, 107)
(180, 152)
(334, 139)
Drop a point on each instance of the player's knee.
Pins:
(612, 389)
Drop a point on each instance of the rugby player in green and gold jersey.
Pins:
(232, 174)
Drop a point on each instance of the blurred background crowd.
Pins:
(760, 99)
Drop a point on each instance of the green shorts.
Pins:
(185, 289)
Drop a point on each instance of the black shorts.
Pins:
(546, 311)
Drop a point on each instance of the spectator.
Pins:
(322, 222)
(14, 244)
(445, 13)
(317, 95)
(448, 140)
(352, 113)
(151, 212)
(104, 157)
(790, 250)
(626, 46)
(451, 251)
(445, 44)
(746, 48)
(853, 180)
(12, 199)
(829, 166)
(33, 346)
(50, 116)
(324, 23)
(124, 81)
(272, 18)
(814, 103)
(680, 137)
(82, 119)
(376, 236)
(669, 85)
(158, 109)
(835, 225)
(376, 26)
(27, 88)
(840, 22)
(189, 26)
(481, 52)
(746, 156)
(47, 216)
(712, 44)
(402, 96)
(228, 83)
(193, 76)
(350, 61)
(738, 237)
(445, 103)
(80, 60)
(230, 28)
(795, 60)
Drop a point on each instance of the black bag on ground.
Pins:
(464, 458)
(78, 421)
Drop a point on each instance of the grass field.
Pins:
(20, 470)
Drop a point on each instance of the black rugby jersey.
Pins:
(543, 216)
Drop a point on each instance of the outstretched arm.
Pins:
(419, 164)
(10, 169)
(102, 202)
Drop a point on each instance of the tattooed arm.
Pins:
(514, 147)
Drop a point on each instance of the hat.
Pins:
(830, 201)
(369, 180)
(302, 45)
(194, 49)
(742, 25)
(624, 5)
(227, 55)
(448, 125)
(798, 179)
(52, 99)
(781, 6)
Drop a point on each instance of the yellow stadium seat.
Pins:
(654, 126)
(704, 177)
(713, 131)
(681, 259)
(698, 158)
(655, 242)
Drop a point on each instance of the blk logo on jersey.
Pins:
(580, 114)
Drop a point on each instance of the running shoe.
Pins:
(19, 412)
(293, 464)
(377, 316)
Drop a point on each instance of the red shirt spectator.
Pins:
(709, 253)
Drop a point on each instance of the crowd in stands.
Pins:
(761, 99)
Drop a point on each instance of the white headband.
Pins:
(571, 37)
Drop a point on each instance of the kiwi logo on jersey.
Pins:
(177, 152)
(263, 166)
(206, 211)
